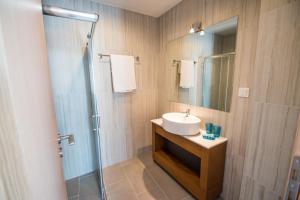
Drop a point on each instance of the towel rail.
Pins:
(220, 55)
(179, 61)
(136, 58)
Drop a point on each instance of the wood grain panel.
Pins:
(126, 118)
(275, 109)
(278, 82)
(203, 184)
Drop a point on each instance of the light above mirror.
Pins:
(197, 28)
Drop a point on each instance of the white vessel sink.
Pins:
(180, 124)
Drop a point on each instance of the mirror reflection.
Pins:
(201, 66)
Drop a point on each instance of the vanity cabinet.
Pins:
(199, 168)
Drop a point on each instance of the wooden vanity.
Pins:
(197, 164)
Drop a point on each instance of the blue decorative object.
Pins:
(209, 136)
(217, 131)
(209, 127)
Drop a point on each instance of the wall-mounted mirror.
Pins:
(200, 67)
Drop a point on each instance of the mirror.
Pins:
(201, 67)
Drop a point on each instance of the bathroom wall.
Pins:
(275, 104)
(125, 118)
(30, 167)
(260, 128)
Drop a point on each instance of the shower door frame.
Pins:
(89, 17)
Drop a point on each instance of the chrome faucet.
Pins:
(187, 112)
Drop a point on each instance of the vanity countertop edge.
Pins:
(197, 139)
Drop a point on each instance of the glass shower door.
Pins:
(69, 63)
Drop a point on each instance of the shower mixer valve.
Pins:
(69, 137)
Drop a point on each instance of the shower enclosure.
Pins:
(217, 81)
(73, 83)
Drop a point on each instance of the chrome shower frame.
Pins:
(88, 17)
(95, 110)
(71, 14)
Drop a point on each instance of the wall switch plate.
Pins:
(244, 92)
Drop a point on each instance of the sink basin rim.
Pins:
(179, 124)
(179, 116)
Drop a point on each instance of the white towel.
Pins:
(187, 74)
(123, 75)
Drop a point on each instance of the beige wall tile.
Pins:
(272, 132)
(276, 72)
(253, 190)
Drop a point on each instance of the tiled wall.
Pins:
(261, 128)
(275, 104)
(125, 118)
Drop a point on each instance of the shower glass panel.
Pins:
(70, 61)
(217, 82)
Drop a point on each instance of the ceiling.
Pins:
(154, 8)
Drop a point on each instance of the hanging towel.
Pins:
(123, 75)
(187, 74)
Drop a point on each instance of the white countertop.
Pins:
(198, 139)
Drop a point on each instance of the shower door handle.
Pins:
(69, 137)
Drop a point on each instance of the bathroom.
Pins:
(229, 68)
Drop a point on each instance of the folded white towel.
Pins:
(187, 74)
(123, 74)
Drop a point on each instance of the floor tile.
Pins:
(88, 187)
(131, 163)
(189, 198)
(153, 194)
(74, 197)
(146, 158)
(142, 179)
(120, 190)
(72, 187)
(89, 197)
(113, 174)
(138, 177)
(170, 187)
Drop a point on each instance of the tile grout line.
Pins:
(153, 179)
(144, 166)
(131, 186)
(115, 182)
(139, 193)
(158, 186)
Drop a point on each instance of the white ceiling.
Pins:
(154, 8)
